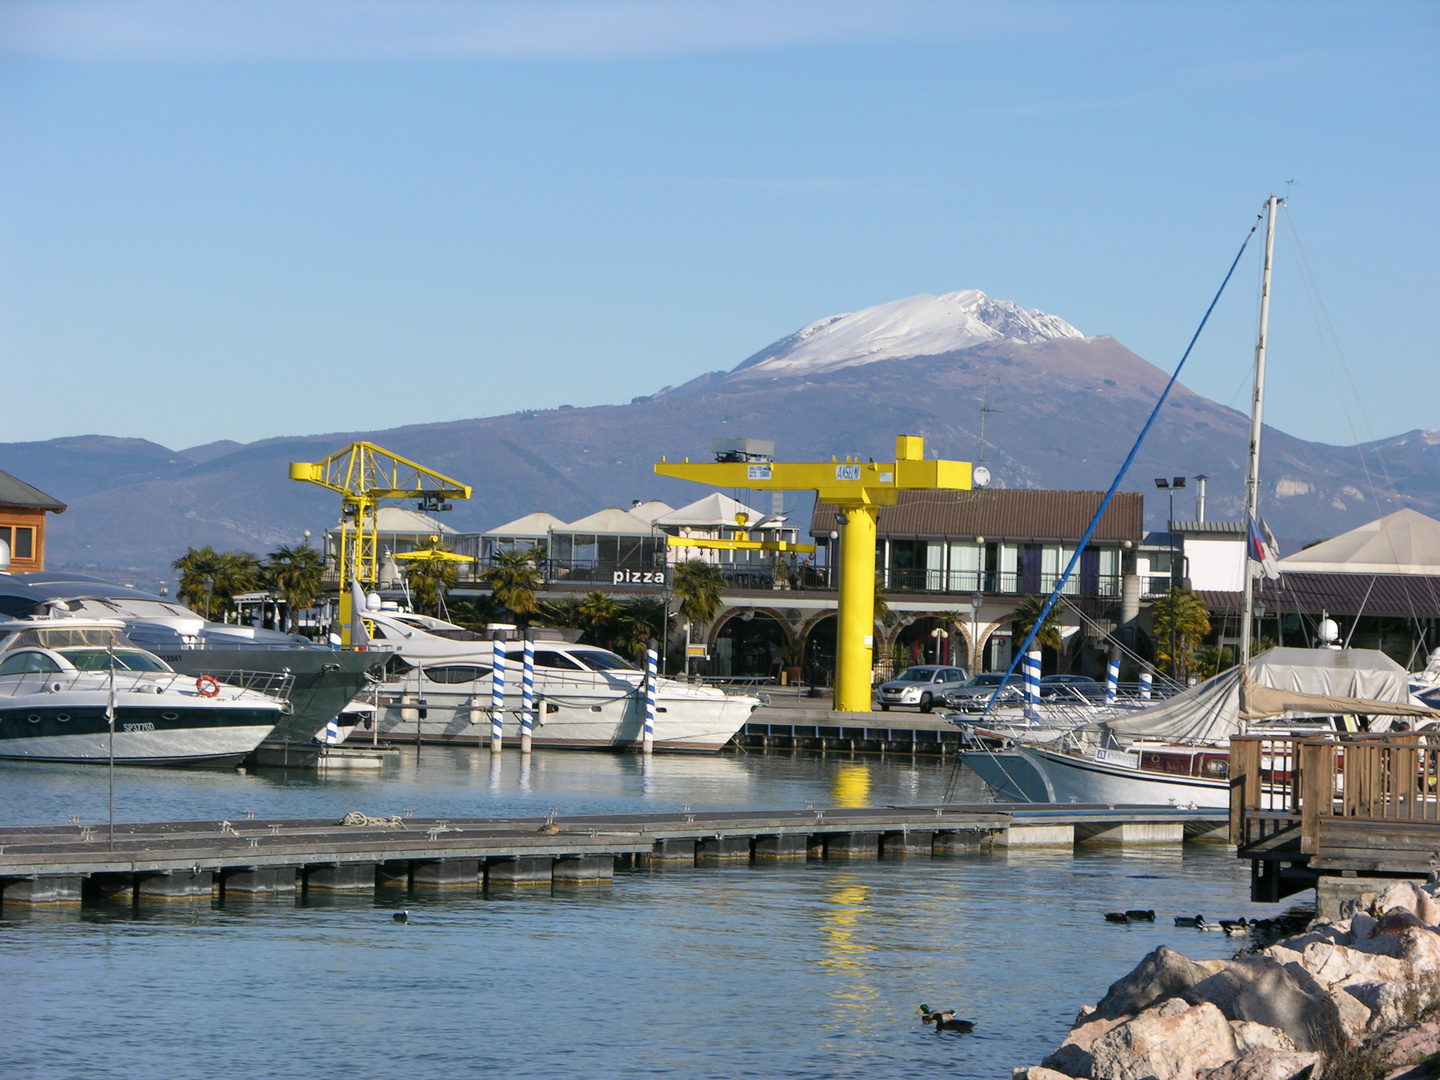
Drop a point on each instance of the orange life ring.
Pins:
(208, 686)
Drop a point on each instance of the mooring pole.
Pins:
(110, 717)
(651, 658)
(527, 693)
(497, 694)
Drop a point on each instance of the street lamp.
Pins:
(209, 588)
(1259, 609)
(1170, 487)
(939, 634)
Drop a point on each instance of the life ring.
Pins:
(208, 686)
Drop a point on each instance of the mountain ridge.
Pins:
(1063, 412)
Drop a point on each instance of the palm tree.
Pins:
(1183, 616)
(513, 577)
(429, 579)
(298, 574)
(228, 573)
(600, 614)
(642, 621)
(1028, 611)
(564, 613)
(882, 605)
(698, 586)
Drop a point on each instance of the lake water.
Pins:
(810, 970)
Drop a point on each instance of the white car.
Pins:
(923, 685)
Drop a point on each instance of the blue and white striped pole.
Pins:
(497, 695)
(1112, 681)
(527, 694)
(1146, 682)
(652, 658)
(1032, 681)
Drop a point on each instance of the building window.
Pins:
(20, 539)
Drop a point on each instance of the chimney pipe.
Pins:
(1200, 497)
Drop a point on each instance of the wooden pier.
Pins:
(195, 860)
(1343, 815)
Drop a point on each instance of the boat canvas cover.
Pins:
(1348, 673)
(1314, 682)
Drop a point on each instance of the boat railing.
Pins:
(1315, 780)
(273, 684)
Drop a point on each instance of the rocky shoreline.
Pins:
(1350, 998)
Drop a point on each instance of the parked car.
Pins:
(972, 695)
(1069, 687)
(923, 685)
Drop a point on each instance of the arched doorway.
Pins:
(914, 644)
(820, 652)
(747, 645)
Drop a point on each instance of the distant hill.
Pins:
(1065, 409)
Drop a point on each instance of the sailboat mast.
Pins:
(1252, 478)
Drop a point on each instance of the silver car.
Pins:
(923, 686)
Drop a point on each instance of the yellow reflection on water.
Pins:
(851, 786)
(846, 953)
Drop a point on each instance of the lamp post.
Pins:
(976, 600)
(1259, 619)
(939, 634)
(209, 588)
(1170, 487)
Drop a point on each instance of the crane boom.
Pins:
(363, 474)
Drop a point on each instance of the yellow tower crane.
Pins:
(858, 489)
(363, 474)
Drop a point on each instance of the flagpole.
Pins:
(1252, 479)
(110, 717)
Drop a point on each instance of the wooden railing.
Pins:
(1349, 779)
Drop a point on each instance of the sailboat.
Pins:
(1178, 752)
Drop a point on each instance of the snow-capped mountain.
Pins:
(922, 325)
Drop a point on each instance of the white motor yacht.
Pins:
(439, 682)
(59, 686)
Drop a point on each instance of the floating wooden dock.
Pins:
(1340, 815)
(791, 725)
(193, 860)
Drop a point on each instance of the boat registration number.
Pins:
(138, 727)
(1118, 757)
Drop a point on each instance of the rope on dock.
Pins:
(356, 818)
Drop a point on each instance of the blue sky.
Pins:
(239, 220)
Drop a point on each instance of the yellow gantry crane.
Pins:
(858, 489)
(363, 474)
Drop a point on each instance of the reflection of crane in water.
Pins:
(846, 952)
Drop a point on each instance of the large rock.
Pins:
(1333, 963)
(1409, 1045)
(1250, 1037)
(1287, 997)
(1163, 974)
(1037, 1072)
(1397, 920)
(1072, 1057)
(1362, 927)
(1173, 1041)
(1402, 894)
(1264, 1065)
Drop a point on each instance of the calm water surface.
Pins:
(810, 970)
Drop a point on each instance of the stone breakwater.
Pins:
(1355, 997)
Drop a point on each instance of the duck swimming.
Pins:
(1197, 921)
(934, 1016)
(954, 1025)
(1140, 916)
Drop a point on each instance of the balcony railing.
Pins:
(994, 582)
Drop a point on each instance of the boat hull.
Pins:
(1068, 779)
(1009, 775)
(61, 730)
(571, 720)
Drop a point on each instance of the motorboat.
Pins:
(439, 681)
(323, 679)
(81, 691)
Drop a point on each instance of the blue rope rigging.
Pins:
(1115, 484)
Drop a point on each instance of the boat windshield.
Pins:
(916, 674)
(600, 660)
(99, 637)
(125, 660)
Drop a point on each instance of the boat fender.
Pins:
(208, 686)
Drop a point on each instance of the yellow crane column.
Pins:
(858, 490)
